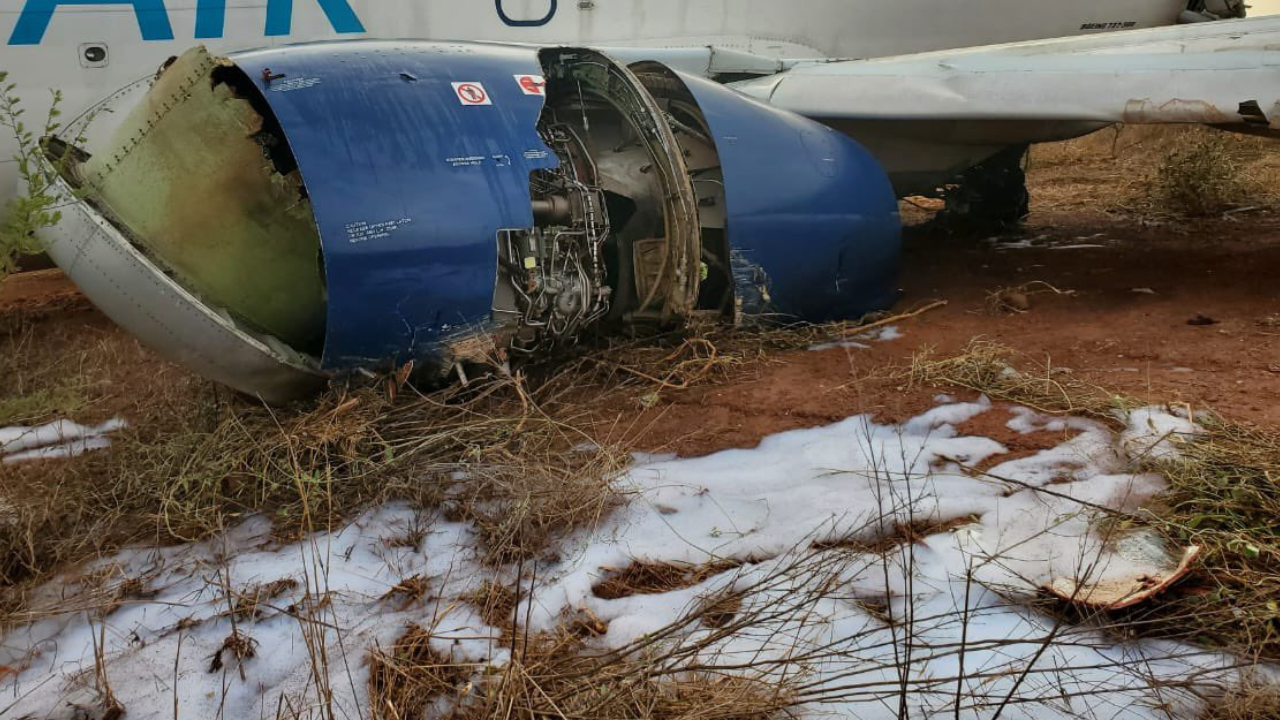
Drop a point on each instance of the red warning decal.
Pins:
(532, 84)
(471, 93)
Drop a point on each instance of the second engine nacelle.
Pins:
(284, 215)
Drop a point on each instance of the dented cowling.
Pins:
(306, 211)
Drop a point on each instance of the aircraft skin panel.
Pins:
(834, 28)
(809, 29)
(850, 216)
(1197, 73)
(139, 295)
(210, 216)
(424, 243)
(928, 116)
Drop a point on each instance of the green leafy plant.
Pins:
(37, 206)
(26, 214)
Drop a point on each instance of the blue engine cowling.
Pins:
(813, 221)
(476, 201)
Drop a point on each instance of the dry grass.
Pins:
(237, 648)
(36, 392)
(521, 457)
(1017, 300)
(252, 602)
(555, 676)
(653, 578)
(514, 456)
(490, 455)
(988, 367)
(497, 604)
(690, 669)
(672, 673)
(408, 678)
(1252, 700)
(1204, 177)
(1155, 172)
(1223, 496)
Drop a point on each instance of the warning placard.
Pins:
(532, 84)
(471, 93)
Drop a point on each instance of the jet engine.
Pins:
(278, 217)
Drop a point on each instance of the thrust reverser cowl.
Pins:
(812, 220)
(285, 215)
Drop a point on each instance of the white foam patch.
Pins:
(888, 334)
(847, 345)
(859, 342)
(336, 608)
(59, 439)
(1154, 434)
(854, 626)
(1027, 421)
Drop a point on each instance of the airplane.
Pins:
(92, 49)
(276, 217)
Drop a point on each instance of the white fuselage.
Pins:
(89, 49)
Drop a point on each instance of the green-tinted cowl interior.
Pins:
(200, 186)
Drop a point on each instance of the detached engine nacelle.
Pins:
(282, 216)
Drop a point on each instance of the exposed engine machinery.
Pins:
(1207, 10)
(552, 279)
(284, 216)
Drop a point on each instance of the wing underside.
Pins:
(928, 114)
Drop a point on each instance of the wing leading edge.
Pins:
(931, 116)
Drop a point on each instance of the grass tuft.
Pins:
(1251, 700)
(407, 679)
(1202, 177)
(988, 367)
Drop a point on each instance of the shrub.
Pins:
(36, 208)
(1201, 177)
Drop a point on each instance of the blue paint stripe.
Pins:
(153, 19)
(341, 17)
(211, 18)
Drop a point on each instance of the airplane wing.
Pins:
(930, 117)
(1222, 73)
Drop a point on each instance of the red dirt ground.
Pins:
(1137, 343)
